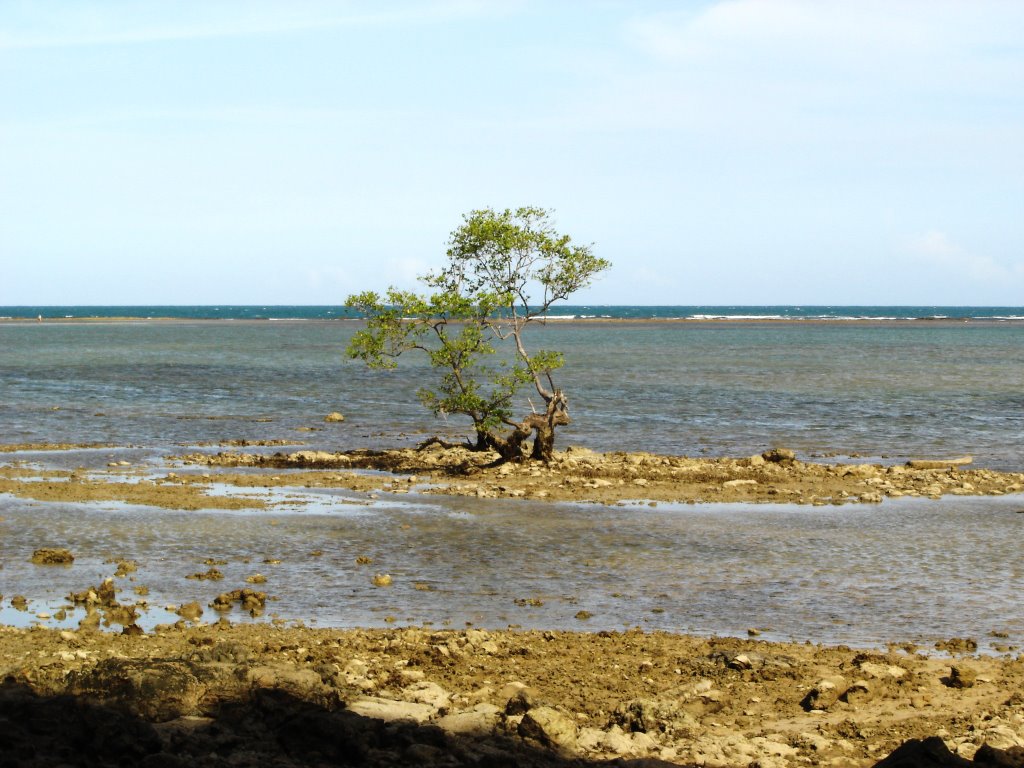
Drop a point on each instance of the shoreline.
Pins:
(575, 475)
(280, 692)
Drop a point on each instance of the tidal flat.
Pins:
(250, 581)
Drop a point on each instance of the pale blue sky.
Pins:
(731, 152)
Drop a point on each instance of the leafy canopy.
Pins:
(504, 270)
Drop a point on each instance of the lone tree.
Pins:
(504, 271)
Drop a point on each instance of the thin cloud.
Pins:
(122, 23)
(938, 250)
(935, 43)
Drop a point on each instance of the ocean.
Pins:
(618, 312)
(884, 390)
(889, 389)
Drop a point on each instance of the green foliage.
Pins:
(498, 262)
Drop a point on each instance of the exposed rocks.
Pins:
(575, 475)
(52, 556)
(390, 710)
(550, 728)
(474, 697)
(961, 676)
(104, 595)
(958, 645)
(334, 417)
(213, 574)
(125, 567)
(190, 611)
(824, 694)
(939, 463)
(779, 455)
(252, 601)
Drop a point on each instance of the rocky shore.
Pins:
(575, 474)
(224, 694)
(264, 695)
(578, 474)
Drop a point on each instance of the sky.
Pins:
(731, 152)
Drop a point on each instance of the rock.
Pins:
(1000, 737)
(190, 611)
(550, 728)
(882, 671)
(779, 455)
(961, 677)
(590, 739)
(479, 720)
(858, 693)
(390, 710)
(957, 645)
(125, 615)
(154, 690)
(663, 716)
(19, 603)
(124, 567)
(382, 580)
(738, 483)
(426, 692)
(815, 741)
(520, 700)
(741, 661)
(213, 574)
(250, 599)
(824, 694)
(334, 417)
(617, 742)
(1009, 757)
(53, 556)
(927, 753)
(939, 463)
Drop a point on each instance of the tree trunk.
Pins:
(542, 425)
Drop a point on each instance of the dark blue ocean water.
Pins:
(302, 312)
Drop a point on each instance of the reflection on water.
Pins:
(910, 569)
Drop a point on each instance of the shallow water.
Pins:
(910, 569)
(902, 389)
(906, 570)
